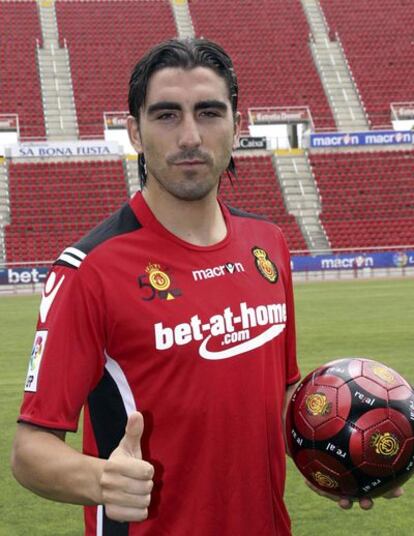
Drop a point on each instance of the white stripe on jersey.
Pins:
(99, 518)
(76, 252)
(117, 374)
(122, 383)
(70, 260)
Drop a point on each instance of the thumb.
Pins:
(131, 442)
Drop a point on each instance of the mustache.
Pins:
(189, 154)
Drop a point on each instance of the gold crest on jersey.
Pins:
(265, 266)
(157, 283)
(157, 278)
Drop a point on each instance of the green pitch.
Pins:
(372, 318)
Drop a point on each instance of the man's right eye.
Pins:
(166, 115)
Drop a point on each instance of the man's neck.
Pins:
(198, 222)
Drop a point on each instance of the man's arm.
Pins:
(45, 464)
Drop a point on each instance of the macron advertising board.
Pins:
(353, 261)
(354, 139)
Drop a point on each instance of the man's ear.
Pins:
(134, 134)
(237, 129)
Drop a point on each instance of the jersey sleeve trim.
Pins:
(49, 425)
(293, 380)
(72, 256)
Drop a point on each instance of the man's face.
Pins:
(186, 131)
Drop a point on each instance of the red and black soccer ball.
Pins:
(350, 428)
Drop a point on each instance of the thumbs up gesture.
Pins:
(126, 480)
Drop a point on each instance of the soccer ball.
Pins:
(350, 428)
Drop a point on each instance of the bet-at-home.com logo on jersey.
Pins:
(231, 329)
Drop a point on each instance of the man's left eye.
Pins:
(209, 113)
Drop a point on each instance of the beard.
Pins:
(190, 184)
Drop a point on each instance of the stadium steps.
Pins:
(132, 174)
(182, 18)
(301, 198)
(56, 82)
(334, 71)
(4, 208)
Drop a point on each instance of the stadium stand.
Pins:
(20, 91)
(54, 204)
(269, 46)
(367, 198)
(365, 28)
(257, 190)
(105, 39)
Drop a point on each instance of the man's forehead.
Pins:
(186, 86)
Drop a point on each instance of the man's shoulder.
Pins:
(243, 214)
(119, 223)
(252, 219)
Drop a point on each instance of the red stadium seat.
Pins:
(19, 78)
(103, 52)
(378, 41)
(270, 49)
(70, 199)
(368, 199)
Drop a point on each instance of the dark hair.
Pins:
(185, 53)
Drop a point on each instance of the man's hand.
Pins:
(366, 503)
(126, 480)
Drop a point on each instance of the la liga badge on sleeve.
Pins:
(35, 360)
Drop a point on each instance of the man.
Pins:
(180, 308)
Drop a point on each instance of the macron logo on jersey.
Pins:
(49, 294)
(228, 334)
(218, 271)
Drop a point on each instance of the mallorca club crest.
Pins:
(157, 282)
(383, 373)
(318, 404)
(324, 480)
(385, 444)
(266, 267)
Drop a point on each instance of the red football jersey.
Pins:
(201, 340)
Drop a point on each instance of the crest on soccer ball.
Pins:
(385, 444)
(317, 404)
(265, 266)
(324, 480)
(384, 373)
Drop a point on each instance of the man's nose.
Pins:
(189, 135)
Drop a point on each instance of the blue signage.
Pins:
(23, 276)
(352, 139)
(353, 261)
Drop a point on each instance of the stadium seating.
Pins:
(367, 198)
(105, 39)
(270, 49)
(257, 190)
(54, 204)
(378, 41)
(20, 91)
